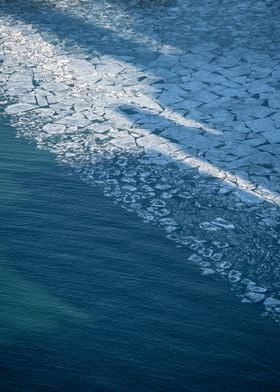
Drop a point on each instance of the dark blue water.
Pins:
(92, 299)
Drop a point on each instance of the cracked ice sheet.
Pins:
(107, 118)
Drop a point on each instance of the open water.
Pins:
(93, 299)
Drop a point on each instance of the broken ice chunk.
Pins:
(19, 108)
(255, 297)
(271, 302)
(146, 215)
(225, 264)
(220, 244)
(76, 119)
(260, 125)
(207, 271)
(216, 257)
(168, 221)
(220, 222)
(54, 129)
(234, 276)
(195, 258)
(206, 252)
(158, 203)
(208, 226)
(251, 286)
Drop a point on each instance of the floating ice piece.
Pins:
(205, 96)
(251, 286)
(186, 240)
(195, 258)
(271, 302)
(76, 119)
(234, 276)
(260, 125)
(270, 222)
(19, 108)
(165, 61)
(205, 264)
(129, 188)
(42, 101)
(185, 195)
(206, 252)
(208, 77)
(262, 158)
(225, 264)
(258, 86)
(167, 195)
(162, 212)
(260, 111)
(207, 271)
(158, 203)
(272, 148)
(255, 297)
(248, 198)
(246, 301)
(122, 161)
(163, 186)
(208, 226)
(220, 244)
(54, 129)
(239, 149)
(216, 257)
(196, 246)
(220, 222)
(124, 140)
(169, 99)
(274, 103)
(169, 229)
(168, 221)
(145, 215)
(273, 136)
(201, 142)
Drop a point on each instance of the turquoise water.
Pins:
(93, 299)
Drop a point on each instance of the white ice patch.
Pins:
(54, 129)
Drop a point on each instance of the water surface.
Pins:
(93, 299)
